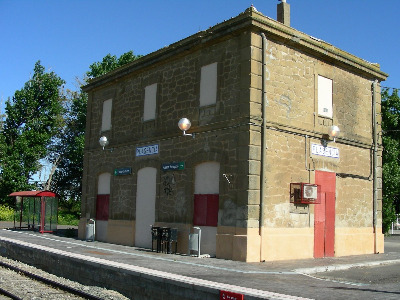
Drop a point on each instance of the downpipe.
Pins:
(263, 142)
(375, 165)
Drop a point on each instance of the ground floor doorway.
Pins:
(324, 215)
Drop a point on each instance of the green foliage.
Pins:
(391, 156)
(6, 213)
(66, 218)
(43, 122)
(109, 63)
(34, 116)
(68, 151)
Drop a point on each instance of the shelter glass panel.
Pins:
(51, 209)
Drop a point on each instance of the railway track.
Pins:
(19, 283)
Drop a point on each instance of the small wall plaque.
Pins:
(123, 171)
(173, 166)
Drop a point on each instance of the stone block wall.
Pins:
(294, 124)
(229, 132)
(221, 135)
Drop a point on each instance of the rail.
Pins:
(45, 281)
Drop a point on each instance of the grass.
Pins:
(64, 218)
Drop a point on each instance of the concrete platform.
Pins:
(141, 274)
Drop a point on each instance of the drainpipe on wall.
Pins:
(263, 142)
(375, 163)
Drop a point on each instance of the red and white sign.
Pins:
(225, 295)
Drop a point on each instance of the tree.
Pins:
(67, 150)
(67, 153)
(109, 63)
(34, 116)
(43, 122)
(2, 143)
(391, 156)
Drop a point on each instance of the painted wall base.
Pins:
(121, 232)
(242, 247)
(245, 244)
(357, 241)
(82, 228)
(287, 243)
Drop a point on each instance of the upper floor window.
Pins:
(325, 97)
(150, 100)
(208, 84)
(106, 117)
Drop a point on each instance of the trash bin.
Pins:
(169, 235)
(194, 241)
(165, 234)
(90, 230)
(173, 238)
(156, 237)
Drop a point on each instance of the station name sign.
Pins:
(324, 151)
(147, 150)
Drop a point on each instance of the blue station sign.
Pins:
(147, 150)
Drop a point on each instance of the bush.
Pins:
(65, 218)
(388, 214)
(6, 213)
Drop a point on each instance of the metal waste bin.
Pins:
(156, 237)
(90, 230)
(169, 235)
(194, 241)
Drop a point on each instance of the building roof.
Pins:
(34, 194)
(255, 20)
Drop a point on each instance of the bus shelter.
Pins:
(36, 210)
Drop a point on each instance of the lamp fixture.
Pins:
(103, 141)
(184, 125)
(333, 132)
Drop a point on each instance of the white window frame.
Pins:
(150, 102)
(325, 98)
(104, 184)
(106, 115)
(208, 84)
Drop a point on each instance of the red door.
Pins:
(324, 215)
(206, 210)
(102, 207)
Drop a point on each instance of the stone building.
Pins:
(260, 175)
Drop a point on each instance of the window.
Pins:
(206, 194)
(103, 196)
(106, 117)
(150, 100)
(325, 97)
(208, 85)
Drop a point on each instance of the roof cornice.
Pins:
(316, 47)
(256, 21)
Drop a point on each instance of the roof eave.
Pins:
(253, 19)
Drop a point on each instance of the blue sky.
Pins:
(69, 35)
